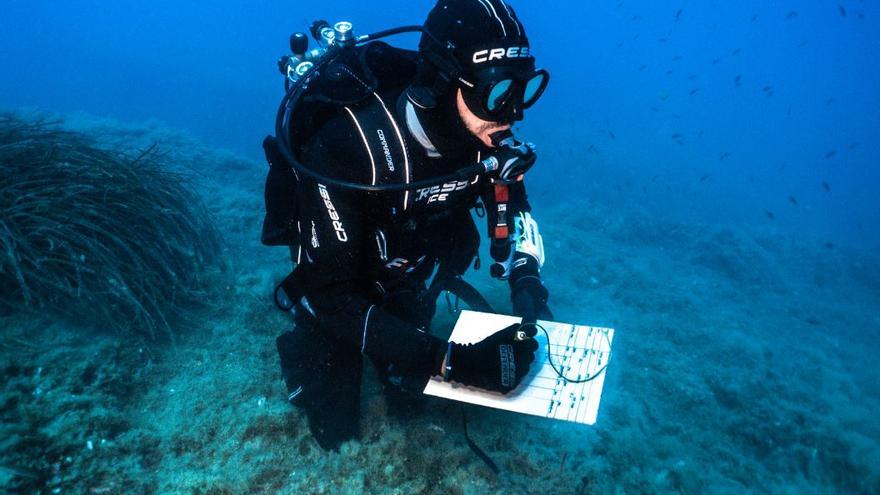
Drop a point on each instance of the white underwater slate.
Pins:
(578, 351)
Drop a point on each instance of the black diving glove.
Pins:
(529, 298)
(497, 363)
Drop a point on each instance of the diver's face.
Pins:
(480, 128)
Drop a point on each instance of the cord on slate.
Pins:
(553, 365)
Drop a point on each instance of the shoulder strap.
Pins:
(382, 136)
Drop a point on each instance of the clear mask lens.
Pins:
(498, 95)
(534, 88)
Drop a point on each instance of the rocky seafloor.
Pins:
(744, 362)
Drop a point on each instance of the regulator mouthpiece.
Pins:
(502, 138)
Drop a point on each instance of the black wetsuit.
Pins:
(366, 257)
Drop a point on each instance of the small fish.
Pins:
(802, 44)
(830, 154)
(724, 156)
(693, 77)
(842, 10)
(829, 245)
(662, 40)
(612, 135)
(738, 80)
(676, 58)
(694, 91)
(767, 89)
(754, 18)
(829, 101)
(636, 18)
(705, 177)
(793, 200)
(826, 186)
(791, 15)
(770, 215)
(678, 15)
(715, 61)
(861, 16)
(853, 145)
(735, 51)
(643, 67)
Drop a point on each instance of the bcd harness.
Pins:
(350, 76)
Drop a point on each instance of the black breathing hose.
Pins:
(465, 173)
(296, 91)
(390, 32)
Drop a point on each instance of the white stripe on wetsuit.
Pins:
(513, 19)
(366, 144)
(382, 244)
(295, 393)
(479, 159)
(366, 320)
(495, 14)
(416, 129)
(402, 145)
(485, 7)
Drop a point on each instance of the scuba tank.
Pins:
(317, 81)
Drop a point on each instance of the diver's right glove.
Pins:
(529, 298)
(497, 363)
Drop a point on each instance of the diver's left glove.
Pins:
(497, 363)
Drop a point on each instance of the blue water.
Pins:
(620, 67)
(758, 117)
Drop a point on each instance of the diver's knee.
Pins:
(323, 381)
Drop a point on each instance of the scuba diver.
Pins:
(381, 155)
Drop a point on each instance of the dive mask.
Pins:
(500, 94)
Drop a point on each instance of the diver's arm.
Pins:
(337, 241)
(527, 290)
(338, 245)
(520, 256)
